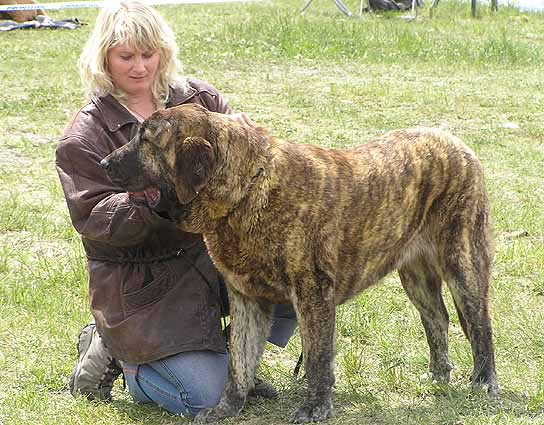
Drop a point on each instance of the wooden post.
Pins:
(494, 5)
(431, 10)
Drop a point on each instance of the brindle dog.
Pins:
(287, 222)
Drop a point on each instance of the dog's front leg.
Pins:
(250, 326)
(316, 315)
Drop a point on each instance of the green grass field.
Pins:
(324, 79)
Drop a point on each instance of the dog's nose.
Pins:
(105, 164)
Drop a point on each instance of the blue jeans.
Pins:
(183, 384)
(188, 382)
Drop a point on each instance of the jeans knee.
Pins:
(202, 398)
(182, 384)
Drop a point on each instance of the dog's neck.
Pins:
(255, 199)
(256, 190)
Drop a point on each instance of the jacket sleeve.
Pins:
(221, 105)
(211, 98)
(99, 211)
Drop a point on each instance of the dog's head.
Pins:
(194, 156)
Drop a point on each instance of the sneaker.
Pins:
(262, 389)
(96, 369)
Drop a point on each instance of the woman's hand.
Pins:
(243, 118)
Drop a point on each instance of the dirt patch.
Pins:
(11, 159)
(35, 139)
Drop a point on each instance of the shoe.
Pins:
(95, 370)
(262, 389)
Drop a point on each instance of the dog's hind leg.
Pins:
(250, 326)
(315, 307)
(467, 266)
(423, 285)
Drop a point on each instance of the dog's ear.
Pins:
(195, 160)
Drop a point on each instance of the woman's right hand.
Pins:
(243, 118)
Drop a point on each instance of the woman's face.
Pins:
(132, 71)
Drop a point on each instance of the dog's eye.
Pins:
(199, 171)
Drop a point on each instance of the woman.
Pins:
(155, 295)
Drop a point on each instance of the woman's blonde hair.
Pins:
(140, 26)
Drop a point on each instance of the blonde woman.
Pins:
(156, 298)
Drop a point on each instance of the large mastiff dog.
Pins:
(286, 222)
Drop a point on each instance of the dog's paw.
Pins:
(317, 413)
(441, 372)
(215, 414)
(486, 380)
(492, 389)
(203, 417)
(208, 416)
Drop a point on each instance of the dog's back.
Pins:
(368, 210)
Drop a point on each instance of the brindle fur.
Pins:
(286, 222)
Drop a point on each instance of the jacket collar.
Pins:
(113, 113)
(116, 115)
(177, 95)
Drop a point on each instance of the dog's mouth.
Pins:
(137, 198)
(150, 197)
(162, 201)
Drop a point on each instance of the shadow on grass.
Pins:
(146, 413)
(448, 405)
(444, 406)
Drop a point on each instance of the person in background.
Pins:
(156, 298)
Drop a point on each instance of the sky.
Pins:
(525, 4)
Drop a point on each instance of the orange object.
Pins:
(22, 15)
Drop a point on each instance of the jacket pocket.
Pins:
(152, 290)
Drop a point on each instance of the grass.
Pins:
(319, 78)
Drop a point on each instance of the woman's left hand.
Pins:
(243, 119)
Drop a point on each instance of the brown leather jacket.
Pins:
(153, 289)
